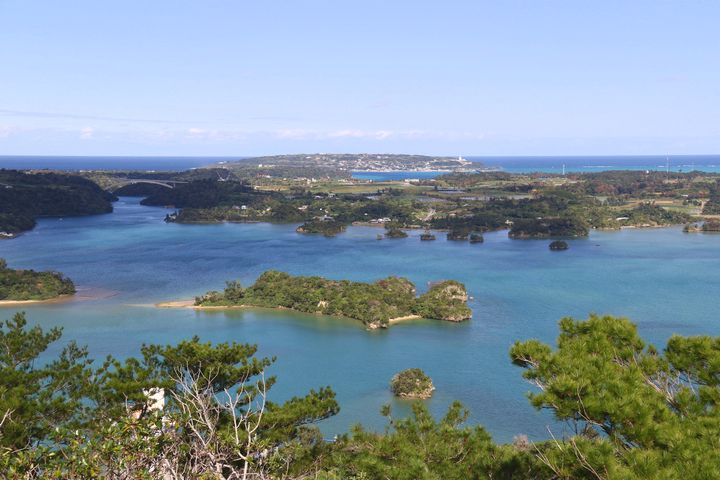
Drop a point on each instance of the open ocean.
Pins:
(512, 164)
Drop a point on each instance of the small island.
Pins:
(29, 285)
(395, 233)
(376, 304)
(558, 245)
(328, 228)
(476, 238)
(458, 235)
(412, 383)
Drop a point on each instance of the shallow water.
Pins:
(664, 280)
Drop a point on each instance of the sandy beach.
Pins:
(191, 304)
(20, 303)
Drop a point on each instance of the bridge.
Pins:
(122, 182)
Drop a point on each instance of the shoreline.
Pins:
(19, 303)
(403, 319)
(191, 304)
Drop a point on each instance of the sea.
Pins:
(125, 262)
(511, 164)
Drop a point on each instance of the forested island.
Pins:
(26, 285)
(376, 304)
(412, 383)
(28, 195)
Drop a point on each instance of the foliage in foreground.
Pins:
(69, 419)
(636, 413)
(32, 285)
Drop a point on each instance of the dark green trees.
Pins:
(558, 245)
(445, 301)
(375, 304)
(412, 383)
(635, 413)
(36, 397)
(67, 419)
(328, 228)
(638, 413)
(25, 196)
(32, 285)
(419, 447)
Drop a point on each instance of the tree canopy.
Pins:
(634, 412)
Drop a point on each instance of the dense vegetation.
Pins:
(712, 206)
(25, 196)
(392, 231)
(32, 285)
(548, 227)
(328, 228)
(559, 245)
(70, 419)
(711, 226)
(444, 300)
(633, 412)
(375, 304)
(530, 206)
(205, 194)
(652, 215)
(412, 383)
(533, 205)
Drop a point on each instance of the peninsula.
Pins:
(30, 286)
(376, 304)
(341, 165)
(26, 195)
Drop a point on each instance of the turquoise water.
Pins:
(666, 281)
(512, 164)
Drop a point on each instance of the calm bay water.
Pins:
(663, 279)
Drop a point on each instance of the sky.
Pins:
(235, 77)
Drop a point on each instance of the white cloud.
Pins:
(295, 134)
(372, 134)
(7, 130)
(87, 133)
(194, 132)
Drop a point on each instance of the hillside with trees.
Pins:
(20, 285)
(26, 196)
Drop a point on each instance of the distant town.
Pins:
(344, 162)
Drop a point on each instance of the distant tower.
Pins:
(563, 169)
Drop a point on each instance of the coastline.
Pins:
(20, 303)
(191, 304)
(402, 319)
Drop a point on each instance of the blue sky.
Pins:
(533, 77)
